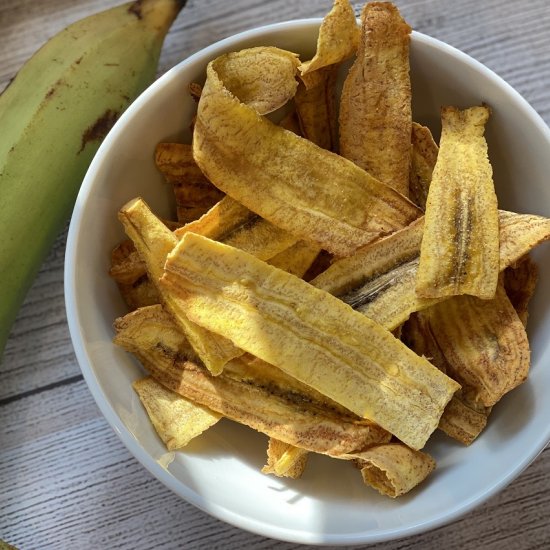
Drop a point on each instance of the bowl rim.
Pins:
(114, 420)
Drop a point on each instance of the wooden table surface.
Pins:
(66, 480)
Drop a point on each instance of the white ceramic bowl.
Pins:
(220, 472)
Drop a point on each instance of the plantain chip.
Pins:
(314, 194)
(276, 415)
(460, 247)
(424, 157)
(176, 419)
(310, 335)
(140, 293)
(193, 192)
(338, 38)
(484, 343)
(316, 108)
(375, 105)
(380, 279)
(284, 460)
(520, 280)
(393, 469)
(462, 420)
(154, 241)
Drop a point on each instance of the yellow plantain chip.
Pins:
(285, 460)
(277, 415)
(393, 469)
(312, 193)
(262, 78)
(296, 259)
(375, 105)
(154, 241)
(176, 419)
(424, 157)
(484, 343)
(520, 280)
(309, 334)
(379, 280)
(193, 192)
(460, 247)
(338, 38)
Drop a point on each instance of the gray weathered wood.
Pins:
(66, 481)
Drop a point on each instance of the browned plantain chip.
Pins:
(461, 419)
(195, 90)
(484, 343)
(520, 280)
(277, 415)
(141, 293)
(193, 192)
(375, 106)
(424, 157)
(460, 246)
(316, 108)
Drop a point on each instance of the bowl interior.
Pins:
(220, 471)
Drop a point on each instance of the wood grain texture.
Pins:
(66, 481)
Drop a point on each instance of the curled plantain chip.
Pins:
(312, 193)
(310, 335)
(284, 460)
(393, 469)
(338, 38)
(375, 106)
(460, 246)
(176, 419)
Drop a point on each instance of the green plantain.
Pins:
(53, 117)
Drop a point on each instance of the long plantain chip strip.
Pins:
(393, 469)
(309, 334)
(313, 193)
(338, 38)
(284, 460)
(460, 247)
(193, 192)
(176, 419)
(154, 241)
(278, 416)
(380, 279)
(520, 280)
(375, 106)
(424, 157)
(484, 343)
